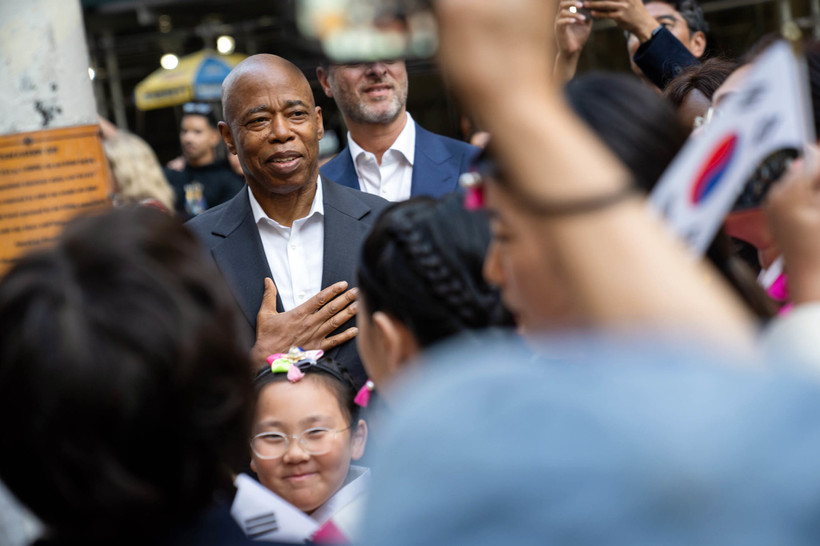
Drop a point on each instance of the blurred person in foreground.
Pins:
(747, 221)
(635, 441)
(125, 398)
(420, 283)
(645, 133)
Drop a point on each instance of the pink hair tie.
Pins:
(288, 362)
(363, 396)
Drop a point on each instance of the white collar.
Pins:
(317, 207)
(405, 143)
(356, 483)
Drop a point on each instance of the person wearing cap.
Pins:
(204, 181)
(388, 153)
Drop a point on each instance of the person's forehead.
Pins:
(278, 83)
(359, 65)
(695, 100)
(659, 9)
(195, 120)
(732, 84)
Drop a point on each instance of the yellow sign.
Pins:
(47, 178)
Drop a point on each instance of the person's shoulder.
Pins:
(174, 176)
(461, 147)
(338, 159)
(202, 224)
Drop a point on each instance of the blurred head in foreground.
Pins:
(124, 387)
(625, 445)
(420, 282)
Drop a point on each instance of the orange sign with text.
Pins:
(46, 179)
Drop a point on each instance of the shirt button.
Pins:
(293, 247)
(384, 190)
(300, 295)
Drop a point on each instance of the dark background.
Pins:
(126, 39)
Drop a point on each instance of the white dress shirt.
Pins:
(394, 177)
(295, 254)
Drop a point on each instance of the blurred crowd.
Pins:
(519, 340)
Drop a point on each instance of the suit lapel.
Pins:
(432, 174)
(241, 257)
(341, 170)
(343, 213)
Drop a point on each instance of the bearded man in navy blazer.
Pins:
(288, 245)
(387, 152)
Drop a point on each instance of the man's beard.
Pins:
(361, 112)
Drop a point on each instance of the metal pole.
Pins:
(785, 10)
(115, 84)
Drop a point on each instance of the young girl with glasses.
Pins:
(305, 433)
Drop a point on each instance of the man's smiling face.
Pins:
(274, 128)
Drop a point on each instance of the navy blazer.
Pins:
(437, 164)
(231, 235)
(663, 57)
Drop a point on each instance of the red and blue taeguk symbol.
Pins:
(713, 169)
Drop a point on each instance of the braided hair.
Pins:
(422, 264)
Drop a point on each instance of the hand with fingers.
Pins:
(572, 29)
(793, 210)
(629, 15)
(308, 325)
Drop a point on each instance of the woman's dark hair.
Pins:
(330, 373)
(124, 386)
(640, 128)
(422, 264)
(706, 78)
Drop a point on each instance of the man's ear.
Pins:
(697, 44)
(397, 340)
(358, 440)
(253, 466)
(227, 136)
(322, 75)
(321, 130)
(215, 137)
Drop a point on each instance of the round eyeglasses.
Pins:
(314, 441)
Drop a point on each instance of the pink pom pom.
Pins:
(276, 356)
(474, 198)
(363, 396)
(295, 374)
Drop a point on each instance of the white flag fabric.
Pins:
(769, 113)
(266, 516)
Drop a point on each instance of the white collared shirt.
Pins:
(394, 177)
(295, 254)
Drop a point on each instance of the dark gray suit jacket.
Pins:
(231, 235)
